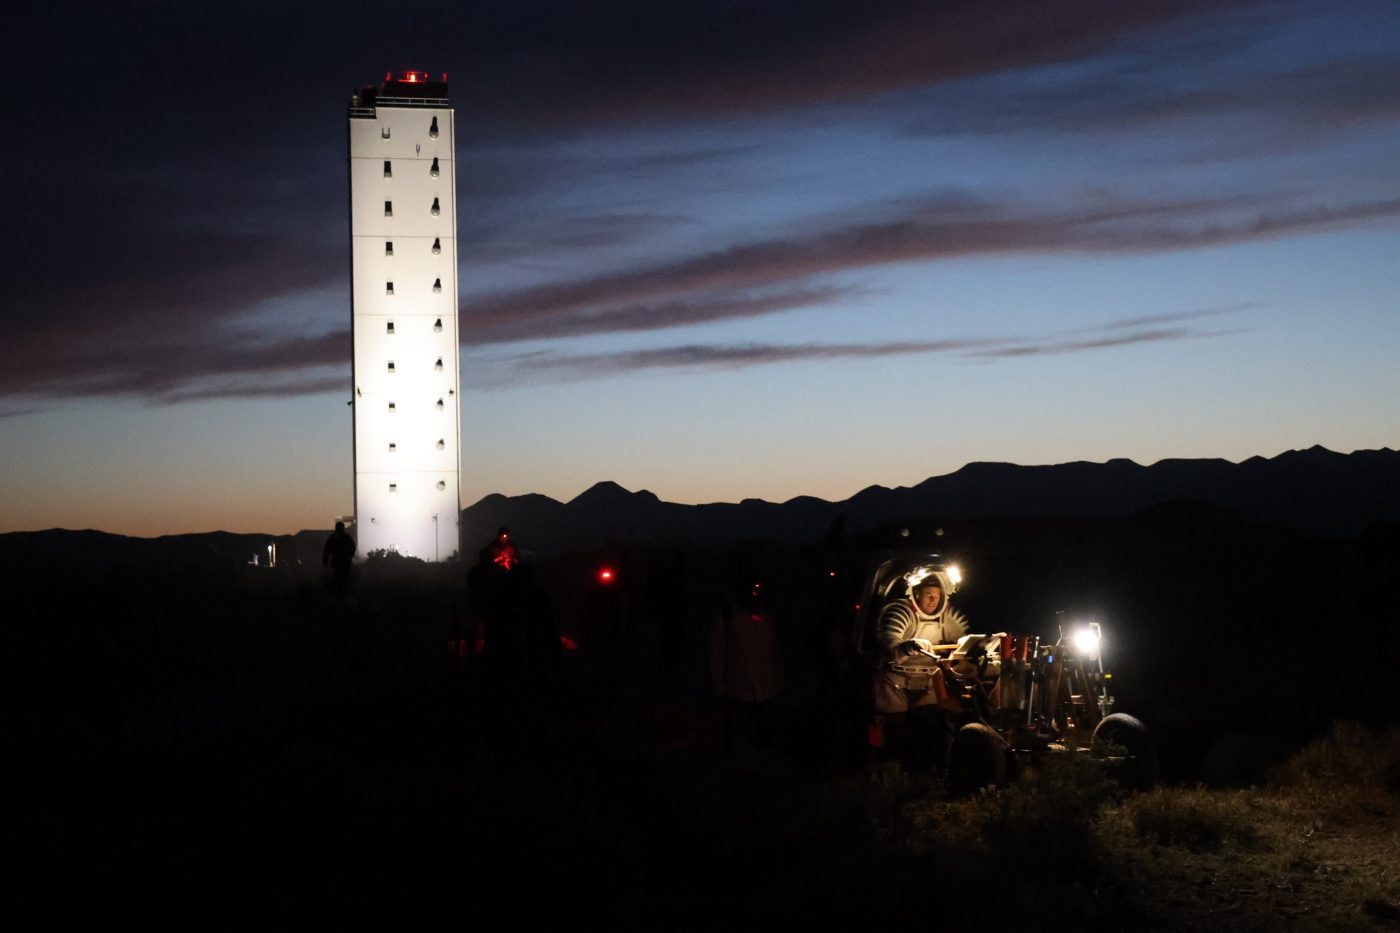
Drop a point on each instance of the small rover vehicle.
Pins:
(1022, 697)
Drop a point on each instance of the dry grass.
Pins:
(1316, 849)
(1196, 820)
(1319, 848)
(1350, 759)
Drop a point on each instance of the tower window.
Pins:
(441, 443)
(439, 405)
(391, 366)
(389, 327)
(393, 407)
(437, 326)
(388, 208)
(437, 245)
(437, 208)
(433, 169)
(433, 130)
(393, 447)
(437, 286)
(388, 288)
(441, 485)
(393, 487)
(383, 132)
(388, 169)
(388, 247)
(438, 364)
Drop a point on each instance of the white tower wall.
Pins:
(404, 316)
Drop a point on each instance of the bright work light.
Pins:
(1086, 640)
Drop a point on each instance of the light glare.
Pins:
(1086, 641)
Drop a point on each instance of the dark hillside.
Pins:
(1314, 491)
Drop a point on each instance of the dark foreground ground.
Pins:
(211, 744)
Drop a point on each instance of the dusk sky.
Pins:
(715, 250)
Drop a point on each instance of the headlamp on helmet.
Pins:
(945, 578)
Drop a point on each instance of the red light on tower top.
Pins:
(605, 575)
(420, 85)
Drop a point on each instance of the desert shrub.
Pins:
(1046, 825)
(1244, 759)
(1051, 833)
(1199, 820)
(893, 799)
(1351, 756)
(384, 556)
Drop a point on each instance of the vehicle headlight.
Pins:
(1086, 641)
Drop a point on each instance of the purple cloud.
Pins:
(1111, 335)
(923, 231)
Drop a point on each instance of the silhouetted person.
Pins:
(843, 701)
(501, 550)
(605, 630)
(486, 584)
(666, 606)
(544, 653)
(499, 592)
(338, 554)
(744, 664)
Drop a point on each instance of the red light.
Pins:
(568, 643)
(605, 575)
(876, 734)
(831, 573)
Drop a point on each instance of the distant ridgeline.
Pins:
(57, 548)
(1313, 491)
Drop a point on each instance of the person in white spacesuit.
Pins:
(911, 691)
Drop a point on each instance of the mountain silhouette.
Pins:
(1316, 491)
(21, 550)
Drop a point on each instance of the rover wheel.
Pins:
(976, 760)
(1121, 734)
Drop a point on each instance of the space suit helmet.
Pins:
(945, 577)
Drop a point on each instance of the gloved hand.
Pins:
(913, 646)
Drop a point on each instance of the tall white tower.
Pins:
(403, 279)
